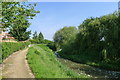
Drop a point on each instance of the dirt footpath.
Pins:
(15, 66)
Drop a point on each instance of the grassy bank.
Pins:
(44, 64)
(86, 59)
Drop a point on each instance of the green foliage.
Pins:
(35, 35)
(20, 34)
(99, 36)
(47, 41)
(44, 64)
(64, 36)
(10, 47)
(15, 17)
(37, 39)
(40, 37)
(97, 41)
(0, 52)
(52, 46)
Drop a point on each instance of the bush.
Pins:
(47, 41)
(50, 44)
(10, 47)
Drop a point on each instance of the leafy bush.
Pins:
(33, 41)
(47, 41)
(10, 47)
(50, 44)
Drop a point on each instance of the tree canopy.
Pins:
(97, 41)
(15, 18)
(64, 35)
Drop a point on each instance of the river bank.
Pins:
(89, 70)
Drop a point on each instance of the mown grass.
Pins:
(44, 64)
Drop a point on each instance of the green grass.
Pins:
(44, 64)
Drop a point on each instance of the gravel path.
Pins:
(15, 66)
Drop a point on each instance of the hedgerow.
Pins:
(10, 47)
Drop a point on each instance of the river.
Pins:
(89, 70)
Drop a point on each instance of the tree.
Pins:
(15, 17)
(98, 39)
(40, 37)
(37, 38)
(20, 32)
(65, 35)
(35, 35)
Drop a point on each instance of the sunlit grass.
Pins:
(44, 64)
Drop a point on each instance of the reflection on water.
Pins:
(89, 70)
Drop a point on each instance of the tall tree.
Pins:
(15, 17)
(35, 35)
(65, 35)
(40, 37)
(37, 38)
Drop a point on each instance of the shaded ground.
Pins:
(88, 70)
(15, 66)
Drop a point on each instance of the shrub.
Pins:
(52, 46)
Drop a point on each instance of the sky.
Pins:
(73, 0)
(56, 15)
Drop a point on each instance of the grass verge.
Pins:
(44, 64)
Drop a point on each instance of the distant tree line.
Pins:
(39, 39)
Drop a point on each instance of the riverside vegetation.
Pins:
(96, 42)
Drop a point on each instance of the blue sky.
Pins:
(73, 0)
(55, 15)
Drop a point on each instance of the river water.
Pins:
(89, 70)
